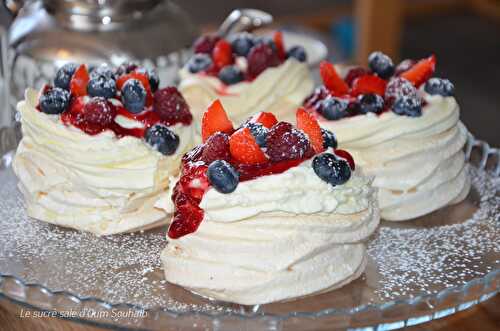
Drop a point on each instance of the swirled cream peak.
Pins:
(96, 183)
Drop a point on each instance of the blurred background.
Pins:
(464, 35)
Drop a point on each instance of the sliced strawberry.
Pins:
(245, 149)
(79, 81)
(331, 79)
(280, 45)
(421, 71)
(222, 54)
(215, 120)
(368, 84)
(264, 118)
(346, 156)
(307, 123)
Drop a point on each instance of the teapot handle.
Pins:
(13, 6)
(244, 20)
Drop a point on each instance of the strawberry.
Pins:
(79, 81)
(264, 118)
(280, 46)
(215, 120)
(331, 79)
(222, 54)
(245, 149)
(421, 71)
(307, 123)
(368, 84)
(346, 156)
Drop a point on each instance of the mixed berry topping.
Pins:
(91, 99)
(382, 87)
(241, 57)
(332, 169)
(261, 146)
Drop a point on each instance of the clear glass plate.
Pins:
(418, 271)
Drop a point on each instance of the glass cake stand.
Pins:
(418, 271)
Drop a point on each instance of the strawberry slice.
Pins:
(421, 71)
(222, 54)
(245, 149)
(346, 156)
(331, 79)
(215, 120)
(368, 84)
(280, 45)
(307, 123)
(79, 81)
(264, 118)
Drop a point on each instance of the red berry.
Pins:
(222, 54)
(368, 84)
(354, 73)
(318, 95)
(264, 118)
(284, 142)
(244, 147)
(99, 111)
(215, 119)
(404, 66)
(308, 123)
(261, 57)
(205, 44)
(421, 71)
(141, 76)
(280, 46)
(216, 148)
(171, 106)
(346, 156)
(331, 79)
(79, 81)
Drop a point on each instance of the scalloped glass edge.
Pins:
(416, 310)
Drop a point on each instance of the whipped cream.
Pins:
(275, 238)
(99, 183)
(418, 162)
(280, 90)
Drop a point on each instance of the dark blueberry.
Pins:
(133, 96)
(331, 169)
(259, 132)
(242, 43)
(267, 41)
(223, 177)
(329, 139)
(101, 86)
(440, 86)
(408, 106)
(64, 75)
(154, 80)
(231, 75)
(199, 62)
(102, 70)
(333, 108)
(162, 139)
(370, 103)
(381, 64)
(297, 52)
(54, 101)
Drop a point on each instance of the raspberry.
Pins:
(260, 58)
(98, 111)
(216, 148)
(171, 106)
(284, 142)
(205, 44)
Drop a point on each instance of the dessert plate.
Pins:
(419, 270)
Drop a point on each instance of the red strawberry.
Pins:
(421, 71)
(331, 79)
(215, 119)
(346, 156)
(222, 54)
(354, 73)
(280, 46)
(245, 149)
(264, 118)
(79, 81)
(307, 123)
(368, 84)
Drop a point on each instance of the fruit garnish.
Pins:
(346, 156)
(222, 54)
(280, 46)
(223, 177)
(261, 57)
(331, 79)
(259, 132)
(242, 43)
(264, 118)
(329, 139)
(298, 53)
(421, 71)
(331, 169)
(370, 103)
(79, 81)
(162, 139)
(133, 95)
(64, 75)
(439, 86)
(354, 73)
(215, 119)
(142, 77)
(403, 66)
(284, 142)
(333, 108)
(199, 62)
(397, 88)
(230, 75)
(307, 123)
(171, 106)
(381, 64)
(244, 147)
(205, 44)
(368, 84)
(54, 100)
(216, 148)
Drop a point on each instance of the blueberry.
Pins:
(242, 43)
(133, 96)
(223, 177)
(381, 64)
(64, 75)
(329, 139)
(162, 139)
(333, 108)
(199, 62)
(231, 75)
(297, 52)
(440, 86)
(154, 80)
(370, 103)
(259, 132)
(102, 70)
(54, 101)
(331, 169)
(101, 86)
(408, 106)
